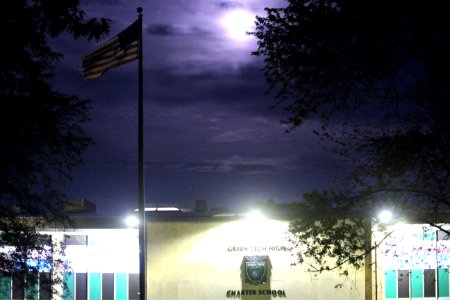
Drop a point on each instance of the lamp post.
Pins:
(141, 185)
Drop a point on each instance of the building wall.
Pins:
(191, 259)
(205, 260)
(412, 262)
(104, 265)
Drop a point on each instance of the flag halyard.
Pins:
(121, 49)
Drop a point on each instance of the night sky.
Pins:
(209, 130)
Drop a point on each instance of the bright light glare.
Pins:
(162, 208)
(237, 23)
(255, 215)
(165, 209)
(132, 221)
(385, 216)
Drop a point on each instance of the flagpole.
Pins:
(141, 200)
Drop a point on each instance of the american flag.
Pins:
(121, 49)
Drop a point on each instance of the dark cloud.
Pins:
(229, 5)
(163, 30)
(231, 87)
(234, 164)
(172, 30)
(108, 2)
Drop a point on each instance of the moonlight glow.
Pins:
(237, 23)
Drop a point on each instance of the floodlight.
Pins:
(132, 221)
(385, 216)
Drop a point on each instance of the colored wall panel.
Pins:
(403, 283)
(443, 284)
(133, 286)
(95, 286)
(429, 235)
(107, 286)
(17, 289)
(81, 286)
(44, 286)
(68, 292)
(75, 240)
(416, 283)
(32, 292)
(5, 287)
(121, 286)
(390, 277)
(429, 282)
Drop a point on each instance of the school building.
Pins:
(212, 255)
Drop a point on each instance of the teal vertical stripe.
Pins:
(390, 283)
(36, 294)
(95, 286)
(32, 292)
(416, 283)
(121, 286)
(68, 291)
(5, 287)
(443, 284)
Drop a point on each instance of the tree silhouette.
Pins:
(376, 75)
(41, 138)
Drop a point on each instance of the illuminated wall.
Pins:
(206, 260)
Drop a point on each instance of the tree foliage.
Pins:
(376, 75)
(41, 138)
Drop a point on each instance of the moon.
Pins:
(237, 23)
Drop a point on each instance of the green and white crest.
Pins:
(255, 269)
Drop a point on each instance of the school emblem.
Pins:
(255, 269)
